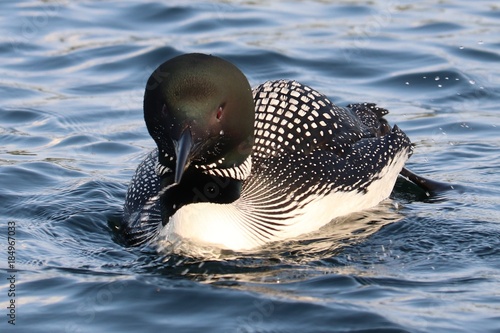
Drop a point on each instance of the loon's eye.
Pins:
(219, 110)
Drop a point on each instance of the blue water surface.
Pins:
(72, 76)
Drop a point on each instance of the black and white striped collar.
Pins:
(238, 172)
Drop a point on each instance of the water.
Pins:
(72, 133)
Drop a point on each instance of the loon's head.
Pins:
(199, 110)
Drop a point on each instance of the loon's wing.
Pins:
(291, 117)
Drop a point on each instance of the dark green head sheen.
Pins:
(199, 109)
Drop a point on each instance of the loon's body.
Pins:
(301, 162)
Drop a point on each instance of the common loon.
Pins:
(236, 168)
